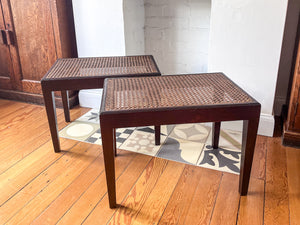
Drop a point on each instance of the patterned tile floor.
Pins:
(187, 143)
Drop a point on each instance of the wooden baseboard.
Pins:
(35, 98)
(290, 138)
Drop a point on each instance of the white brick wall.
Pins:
(177, 34)
(134, 22)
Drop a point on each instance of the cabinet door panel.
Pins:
(34, 33)
(5, 62)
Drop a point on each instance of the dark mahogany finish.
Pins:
(291, 128)
(133, 102)
(88, 73)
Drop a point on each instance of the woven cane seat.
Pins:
(172, 91)
(72, 68)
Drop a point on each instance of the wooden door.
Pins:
(291, 128)
(6, 69)
(294, 107)
(39, 31)
(34, 33)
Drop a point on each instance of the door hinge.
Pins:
(6, 37)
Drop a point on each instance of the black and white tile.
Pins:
(227, 157)
(79, 130)
(91, 116)
(227, 160)
(143, 142)
(186, 143)
(122, 135)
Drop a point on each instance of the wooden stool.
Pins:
(88, 73)
(195, 98)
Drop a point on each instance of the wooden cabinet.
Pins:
(291, 133)
(33, 35)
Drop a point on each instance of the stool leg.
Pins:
(109, 163)
(65, 101)
(216, 134)
(157, 135)
(248, 145)
(51, 114)
(115, 142)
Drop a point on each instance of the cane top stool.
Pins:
(193, 98)
(81, 73)
(88, 73)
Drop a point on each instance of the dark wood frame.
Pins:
(110, 120)
(73, 83)
(291, 128)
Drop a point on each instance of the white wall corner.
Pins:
(134, 22)
(248, 51)
(266, 125)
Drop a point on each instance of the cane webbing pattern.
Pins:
(172, 91)
(101, 66)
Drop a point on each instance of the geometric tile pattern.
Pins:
(79, 130)
(227, 160)
(186, 143)
(142, 142)
(121, 135)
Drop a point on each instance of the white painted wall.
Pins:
(99, 27)
(244, 36)
(177, 34)
(245, 44)
(134, 22)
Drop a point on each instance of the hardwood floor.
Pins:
(39, 186)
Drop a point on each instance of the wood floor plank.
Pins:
(37, 185)
(251, 209)
(42, 187)
(4, 101)
(41, 201)
(202, 205)
(259, 159)
(16, 118)
(20, 119)
(10, 157)
(276, 189)
(26, 129)
(9, 107)
(70, 195)
(293, 174)
(139, 193)
(182, 196)
(16, 177)
(102, 213)
(95, 193)
(154, 206)
(228, 199)
(73, 209)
